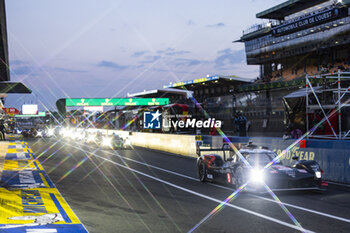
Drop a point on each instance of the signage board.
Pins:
(30, 109)
(306, 22)
(40, 114)
(117, 102)
(11, 111)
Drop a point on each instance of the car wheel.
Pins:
(202, 172)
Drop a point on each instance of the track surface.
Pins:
(141, 190)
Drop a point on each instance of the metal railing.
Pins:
(336, 108)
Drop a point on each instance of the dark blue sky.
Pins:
(108, 48)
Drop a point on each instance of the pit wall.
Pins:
(172, 143)
(332, 155)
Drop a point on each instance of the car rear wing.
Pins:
(222, 150)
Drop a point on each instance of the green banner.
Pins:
(117, 102)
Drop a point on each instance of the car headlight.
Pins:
(318, 174)
(63, 131)
(39, 134)
(67, 133)
(90, 138)
(107, 142)
(127, 142)
(50, 132)
(257, 176)
(81, 136)
(76, 135)
(71, 134)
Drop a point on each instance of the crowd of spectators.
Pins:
(341, 66)
(290, 73)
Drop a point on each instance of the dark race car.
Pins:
(230, 168)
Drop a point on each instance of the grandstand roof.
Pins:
(287, 8)
(14, 88)
(209, 81)
(161, 93)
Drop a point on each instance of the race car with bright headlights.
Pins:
(113, 141)
(253, 168)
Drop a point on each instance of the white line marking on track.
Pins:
(205, 196)
(40, 230)
(231, 189)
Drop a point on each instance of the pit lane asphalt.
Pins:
(115, 191)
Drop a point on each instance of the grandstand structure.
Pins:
(299, 37)
(216, 95)
(298, 44)
(6, 86)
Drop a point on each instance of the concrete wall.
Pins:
(172, 143)
(177, 144)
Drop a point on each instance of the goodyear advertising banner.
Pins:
(29, 201)
(332, 155)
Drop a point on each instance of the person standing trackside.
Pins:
(240, 122)
(2, 130)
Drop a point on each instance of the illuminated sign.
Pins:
(199, 80)
(30, 109)
(41, 114)
(310, 21)
(117, 102)
(93, 109)
(11, 111)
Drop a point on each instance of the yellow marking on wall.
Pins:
(39, 165)
(3, 149)
(44, 180)
(14, 150)
(18, 165)
(11, 205)
(31, 156)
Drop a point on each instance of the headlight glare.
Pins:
(257, 176)
(107, 141)
(90, 138)
(318, 174)
(50, 132)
